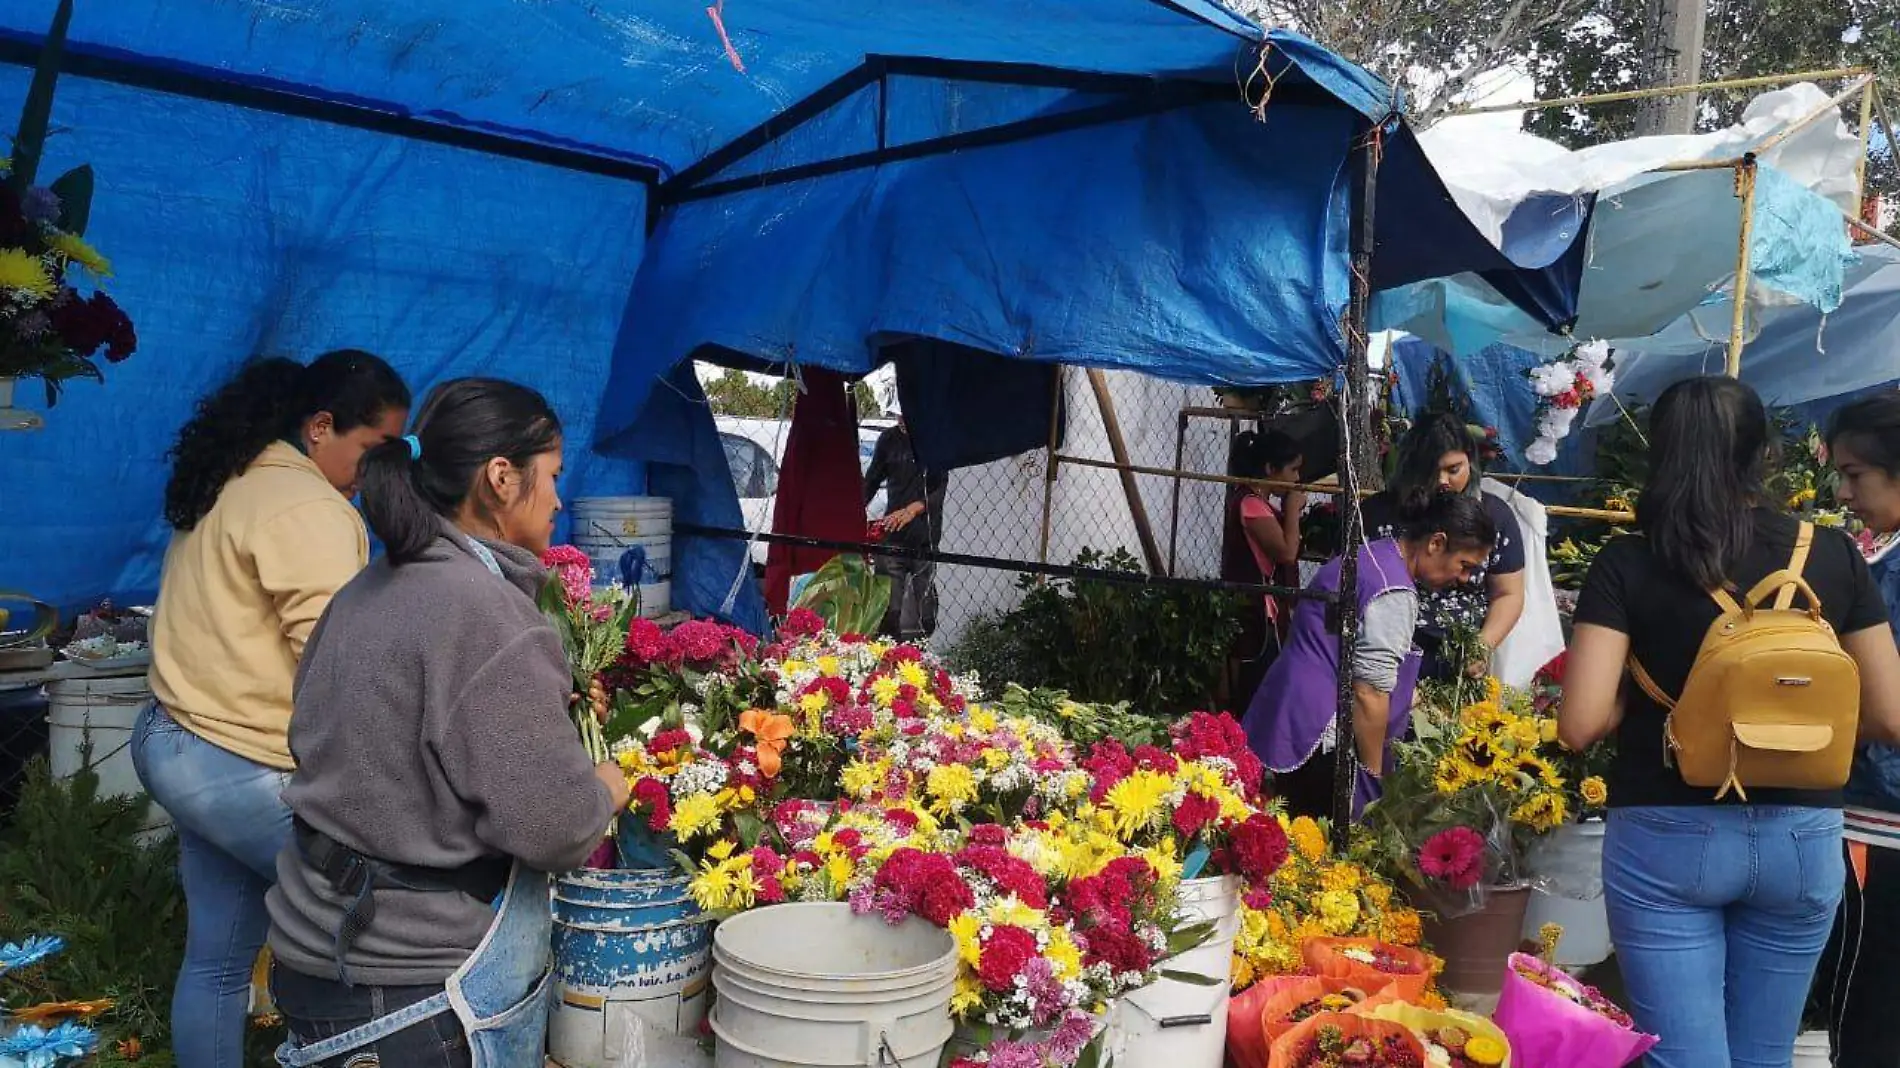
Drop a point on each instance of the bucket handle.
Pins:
(886, 1056)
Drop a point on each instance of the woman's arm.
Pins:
(1593, 681)
(1385, 637)
(1507, 607)
(1279, 539)
(1873, 651)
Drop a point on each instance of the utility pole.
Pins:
(1672, 48)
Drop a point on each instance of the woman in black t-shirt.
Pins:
(1718, 910)
(1439, 455)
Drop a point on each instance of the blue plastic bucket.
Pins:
(632, 958)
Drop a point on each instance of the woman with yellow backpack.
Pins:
(1735, 654)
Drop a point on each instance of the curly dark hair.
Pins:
(267, 401)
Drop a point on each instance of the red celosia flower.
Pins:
(1005, 952)
(1194, 814)
(1150, 758)
(648, 644)
(700, 640)
(650, 793)
(988, 834)
(801, 623)
(1010, 874)
(1259, 846)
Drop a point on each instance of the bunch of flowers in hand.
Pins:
(1318, 893)
(592, 624)
(1563, 388)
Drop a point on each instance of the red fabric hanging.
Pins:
(820, 485)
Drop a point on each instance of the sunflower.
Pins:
(1479, 752)
(1452, 776)
(1541, 812)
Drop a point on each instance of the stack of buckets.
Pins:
(610, 530)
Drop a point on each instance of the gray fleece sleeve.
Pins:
(1385, 637)
(513, 754)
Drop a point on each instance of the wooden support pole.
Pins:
(1866, 132)
(1118, 447)
(1745, 189)
(1761, 82)
(1049, 467)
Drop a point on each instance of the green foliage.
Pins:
(1083, 724)
(1157, 648)
(71, 865)
(735, 393)
(848, 594)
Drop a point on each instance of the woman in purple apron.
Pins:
(1290, 724)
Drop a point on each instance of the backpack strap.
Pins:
(1648, 685)
(1798, 563)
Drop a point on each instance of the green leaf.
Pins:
(74, 189)
(1191, 937)
(1190, 978)
(29, 141)
(751, 828)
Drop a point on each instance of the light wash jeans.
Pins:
(231, 822)
(1719, 914)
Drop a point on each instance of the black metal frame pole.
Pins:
(1355, 422)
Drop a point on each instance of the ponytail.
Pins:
(1460, 517)
(268, 401)
(411, 484)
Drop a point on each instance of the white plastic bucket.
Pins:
(810, 985)
(1586, 921)
(605, 556)
(656, 599)
(631, 956)
(623, 517)
(1811, 1050)
(100, 713)
(1170, 1024)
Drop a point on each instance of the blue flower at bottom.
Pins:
(15, 955)
(36, 1047)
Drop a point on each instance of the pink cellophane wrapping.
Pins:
(1546, 1028)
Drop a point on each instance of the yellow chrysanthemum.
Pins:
(1595, 791)
(995, 759)
(966, 927)
(1340, 876)
(967, 996)
(950, 787)
(911, 673)
(694, 815)
(1012, 912)
(983, 719)
(828, 666)
(1165, 859)
(1338, 911)
(884, 690)
(22, 273)
(77, 251)
(1064, 956)
(1137, 802)
(1379, 893)
(860, 779)
(1307, 838)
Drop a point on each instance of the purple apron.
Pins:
(1300, 695)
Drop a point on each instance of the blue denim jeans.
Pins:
(231, 823)
(1719, 914)
(315, 1009)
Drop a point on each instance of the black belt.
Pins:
(358, 876)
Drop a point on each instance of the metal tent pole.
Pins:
(1355, 421)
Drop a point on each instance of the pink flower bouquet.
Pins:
(1551, 1018)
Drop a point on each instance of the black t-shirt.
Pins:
(1463, 604)
(1666, 617)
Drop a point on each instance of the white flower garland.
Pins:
(1564, 387)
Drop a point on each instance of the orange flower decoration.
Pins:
(131, 1049)
(59, 1010)
(772, 730)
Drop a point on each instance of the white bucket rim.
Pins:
(743, 923)
(822, 990)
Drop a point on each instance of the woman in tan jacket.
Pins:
(263, 536)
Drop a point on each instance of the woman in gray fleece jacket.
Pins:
(434, 751)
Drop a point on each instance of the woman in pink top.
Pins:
(1263, 546)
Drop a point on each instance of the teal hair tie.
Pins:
(415, 446)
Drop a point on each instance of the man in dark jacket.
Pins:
(913, 519)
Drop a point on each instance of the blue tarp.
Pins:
(1165, 229)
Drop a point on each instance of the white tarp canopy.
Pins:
(1660, 242)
